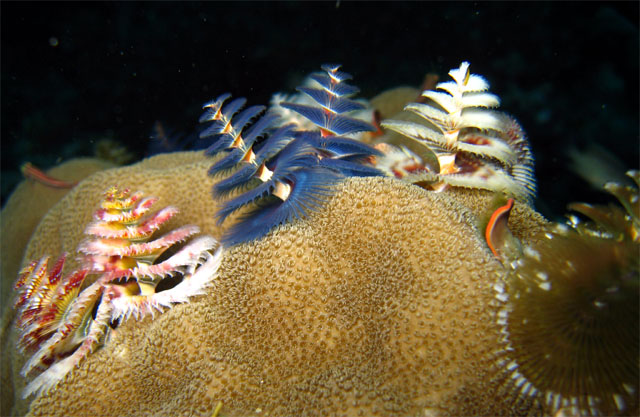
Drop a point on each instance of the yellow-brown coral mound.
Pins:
(178, 179)
(379, 304)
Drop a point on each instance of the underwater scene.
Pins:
(320, 209)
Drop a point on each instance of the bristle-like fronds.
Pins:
(629, 198)
(285, 173)
(118, 199)
(55, 318)
(336, 147)
(349, 168)
(240, 181)
(227, 163)
(222, 119)
(462, 132)
(214, 108)
(200, 268)
(246, 153)
(276, 142)
(47, 282)
(329, 103)
(288, 173)
(255, 165)
(311, 186)
(226, 130)
(97, 249)
(341, 146)
(295, 156)
(228, 134)
(621, 224)
(56, 371)
(571, 324)
(127, 213)
(42, 308)
(76, 316)
(328, 121)
(569, 314)
(135, 230)
(402, 163)
(29, 280)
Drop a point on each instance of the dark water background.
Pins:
(73, 73)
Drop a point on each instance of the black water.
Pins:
(73, 73)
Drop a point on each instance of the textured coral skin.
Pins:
(381, 303)
(176, 179)
(121, 257)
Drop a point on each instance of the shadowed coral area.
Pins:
(378, 304)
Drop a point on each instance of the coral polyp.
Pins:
(56, 317)
(570, 314)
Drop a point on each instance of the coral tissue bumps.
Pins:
(62, 318)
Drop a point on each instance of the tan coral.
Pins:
(391, 102)
(173, 178)
(176, 179)
(379, 304)
(61, 324)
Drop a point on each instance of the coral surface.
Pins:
(62, 229)
(388, 283)
(336, 313)
(383, 299)
(64, 317)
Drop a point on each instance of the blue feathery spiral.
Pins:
(276, 171)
